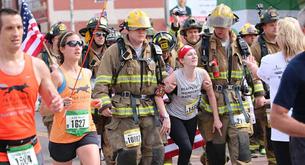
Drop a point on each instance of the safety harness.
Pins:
(89, 63)
(263, 46)
(205, 50)
(229, 87)
(157, 57)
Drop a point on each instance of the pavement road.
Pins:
(43, 137)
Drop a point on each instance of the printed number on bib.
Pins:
(240, 121)
(132, 137)
(22, 155)
(190, 108)
(77, 122)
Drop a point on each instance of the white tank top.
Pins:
(184, 104)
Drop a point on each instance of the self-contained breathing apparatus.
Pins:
(156, 57)
(205, 47)
(247, 78)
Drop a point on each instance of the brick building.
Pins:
(38, 8)
(117, 11)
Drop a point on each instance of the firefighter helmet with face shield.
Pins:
(222, 16)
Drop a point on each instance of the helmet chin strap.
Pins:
(193, 43)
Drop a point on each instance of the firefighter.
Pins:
(112, 37)
(167, 43)
(52, 59)
(130, 68)
(150, 31)
(92, 62)
(249, 33)
(52, 37)
(150, 34)
(190, 33)
(99, 42)
(265, 44)
(224, 55)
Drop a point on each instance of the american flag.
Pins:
(171, 149)
(32, 39)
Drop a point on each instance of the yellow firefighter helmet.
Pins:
(137, 19)
(222, 16)
(248, 29)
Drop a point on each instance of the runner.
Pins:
(186, 83)
(73, 131)
(22, 78)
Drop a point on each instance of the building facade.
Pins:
(117, 11)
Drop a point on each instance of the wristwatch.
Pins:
(165, 116)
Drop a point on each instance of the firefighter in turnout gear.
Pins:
(131, 69)
(52, 37)
(190, 32)
(225, 66)
(112, 37)
(53, 60)
(92, 62)
(99, 42)
(249, 33)
(265, 44)
(167, 43)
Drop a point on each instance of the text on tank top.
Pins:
(184, 104)
(81, 100)
(18, 94)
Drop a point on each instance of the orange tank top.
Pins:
(81, 100)
(18, 94)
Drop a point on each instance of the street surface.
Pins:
(43, 137)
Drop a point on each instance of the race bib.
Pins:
(190, 108)
(77, 122)
(240, 121)
(132, 137)
(22, 155)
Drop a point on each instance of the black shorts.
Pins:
(62, 152)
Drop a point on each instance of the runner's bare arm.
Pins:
(170, 85)
(280, 120)
(47, 89)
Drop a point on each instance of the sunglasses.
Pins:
(98, 34)
(75, 43)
